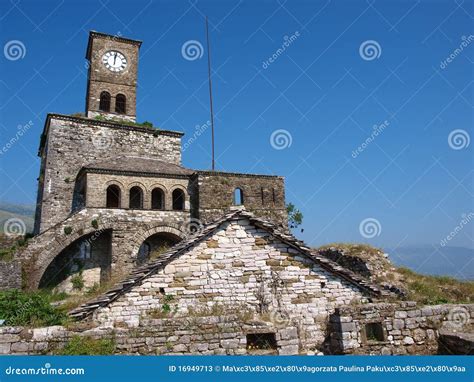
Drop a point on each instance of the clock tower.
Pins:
(112, 77)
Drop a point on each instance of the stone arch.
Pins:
(123, 192)
(140, 237)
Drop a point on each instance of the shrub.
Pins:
(67, 230)
(29, 309)
(95, 223)
(77, 281)
(88, 346)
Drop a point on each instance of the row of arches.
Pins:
(120, 102)
(114, 197)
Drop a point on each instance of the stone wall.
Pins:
(240, 268)
(10, 275)
(70, 143)
(404, 328)
(219, 335)
(263, 195)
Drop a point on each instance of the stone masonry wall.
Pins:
(10, 275)
(73, 143)
(219, 335)
(240, 268)
(263, 195)
(406, 328)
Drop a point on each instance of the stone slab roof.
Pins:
(137, 165)
(140, 274)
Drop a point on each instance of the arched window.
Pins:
(238, 197)
(157, 199)
(136, 198)
(178, 199)
(85, 250)
(120, 104)
(113, 197)
(144, 253)
(104, 104)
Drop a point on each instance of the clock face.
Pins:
(114, 61)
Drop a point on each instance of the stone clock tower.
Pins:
(112, 77)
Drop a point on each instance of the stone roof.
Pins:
(137, 165)
(141, 273)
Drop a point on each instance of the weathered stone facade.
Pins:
(106, 161)
(102, 79)
(10, 275)
(396, 328)
(212, 335)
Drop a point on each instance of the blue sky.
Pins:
(323, 92)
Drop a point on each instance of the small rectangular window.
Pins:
(261, 342)
(374, 332)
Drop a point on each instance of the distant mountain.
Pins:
(456, 262)
(23, 212)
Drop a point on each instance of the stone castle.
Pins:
(193, 261)
(106, 166)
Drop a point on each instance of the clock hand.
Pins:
(115, 57)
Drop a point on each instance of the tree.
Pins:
(295, 217)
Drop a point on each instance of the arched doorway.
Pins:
(155, 245)
(83, 264)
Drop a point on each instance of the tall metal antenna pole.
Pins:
(210, 90)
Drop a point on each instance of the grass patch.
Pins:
(33, 309)
(79, 345)
(433, 290)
